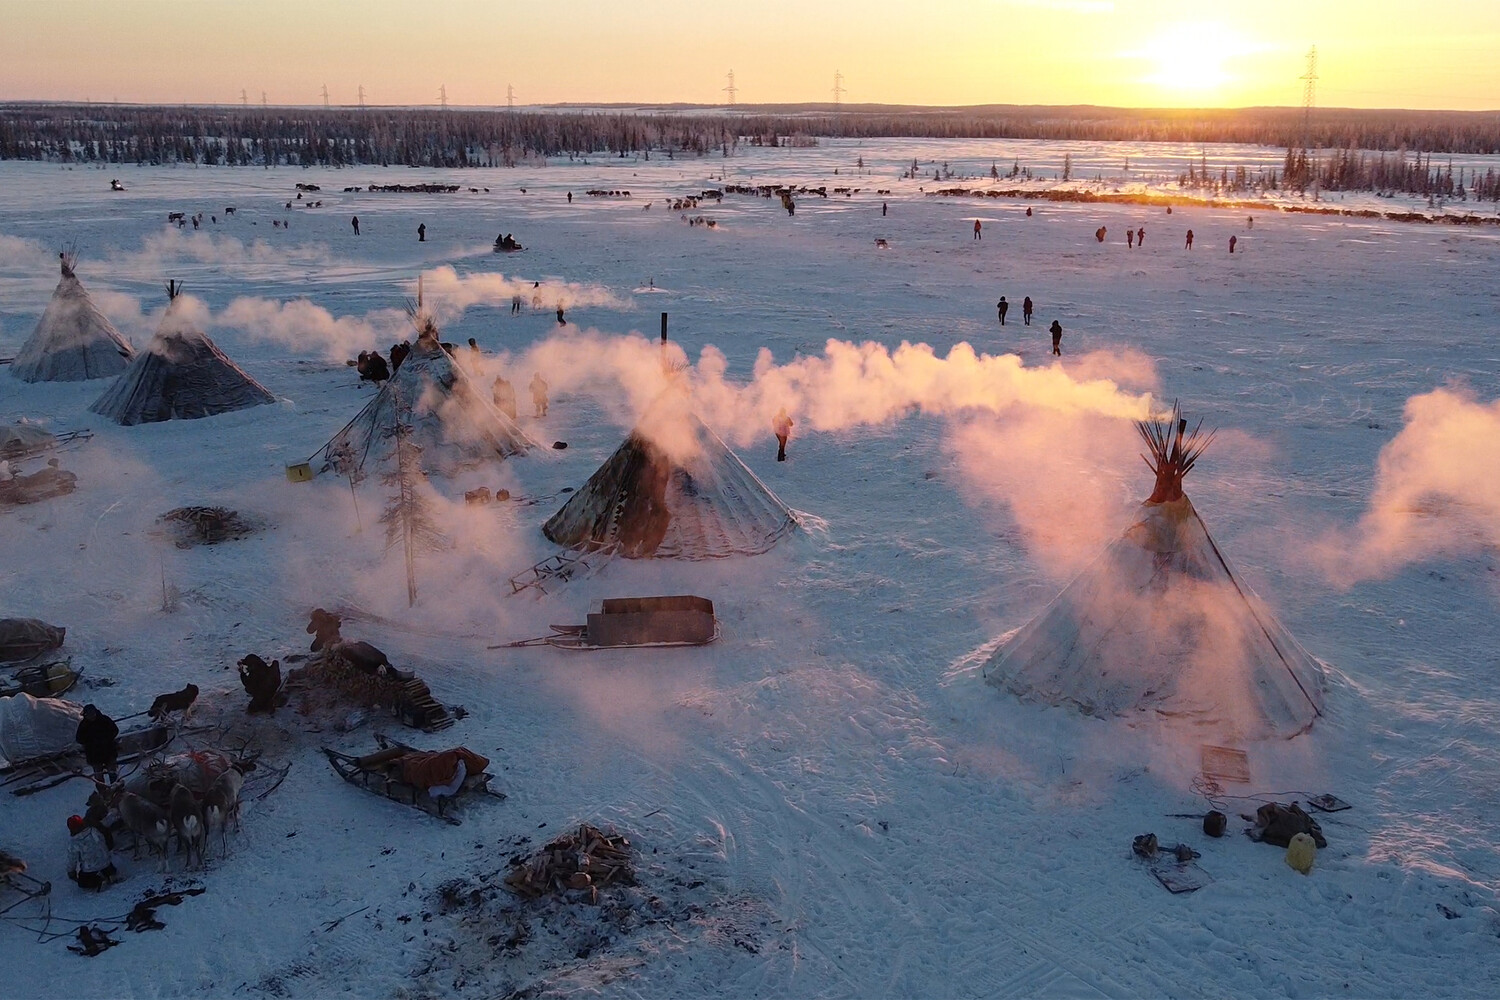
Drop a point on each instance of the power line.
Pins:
(1309, 92)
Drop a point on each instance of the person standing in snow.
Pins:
(355, 223)
(1056, 331)
(781, 426)
(100, 739)
(1140, 237)
(977, 227)
(422, 233)
(1003, 308)
(88, 856)
(1189, 245)
(1026, 309)
(504, 395)
(1129, 240)
(1232, 241)
(560, 320)
(538, 388)
(882, 209)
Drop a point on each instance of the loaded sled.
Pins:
(636, 622)
(41, 680)
(432, 781)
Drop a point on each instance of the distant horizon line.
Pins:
(738, 108)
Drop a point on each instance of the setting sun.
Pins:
(1192, 60)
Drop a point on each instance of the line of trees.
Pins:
(1388, 174)
(434, 138)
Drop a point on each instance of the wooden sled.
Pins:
(379, 772)
(29, 887)
(32, 775)
(636, 623)
(41, 680)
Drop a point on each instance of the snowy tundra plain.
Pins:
(830, 800)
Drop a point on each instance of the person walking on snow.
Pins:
(1003, 307)
(1056, 331)
(1189, 240)
(422, 233)
(781, 426)
(539, 393)
(1129, 240)
(1140, 237)
(1026, 309)
(1232, 241)
(977, 227)
(355, 223)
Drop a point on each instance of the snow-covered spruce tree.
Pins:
(408, 515)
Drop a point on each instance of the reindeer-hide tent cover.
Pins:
(447, 416)
(36, 727)
(73, 340)
(672, 490)
(181, 375)
(1161, 624)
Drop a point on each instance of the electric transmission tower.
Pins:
(838, 88)
(244, 98)
(1309, 92)
(510, 97)
(731, 90)
(361, 96)
(263, 101)
(443, 96)
(325, 96)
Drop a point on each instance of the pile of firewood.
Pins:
(585, 860)
(206, 525)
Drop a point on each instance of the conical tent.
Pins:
(1161, 624)
(181, 375)
(73, 341)
(673, 490)
(449, 419)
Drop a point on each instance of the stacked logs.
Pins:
(586, 860)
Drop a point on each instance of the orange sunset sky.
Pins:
(1151, 53)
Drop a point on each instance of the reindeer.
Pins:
(221, 803)
(187, 819)
(146, 820)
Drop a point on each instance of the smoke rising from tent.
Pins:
(447, 294)
(301, 325)
(1437, 490)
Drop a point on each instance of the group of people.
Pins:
(89, 844)
(1027, 308)
(504, 395)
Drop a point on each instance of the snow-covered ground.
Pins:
(830, 800)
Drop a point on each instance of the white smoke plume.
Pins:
(447, 294)
(1437, 490)
(160, 251)
(26, 255)
(303, 326)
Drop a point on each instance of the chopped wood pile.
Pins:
(206, 525)
(585, 861)
(329, 683)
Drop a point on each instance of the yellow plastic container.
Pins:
(1301, 852)
(301, 472)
